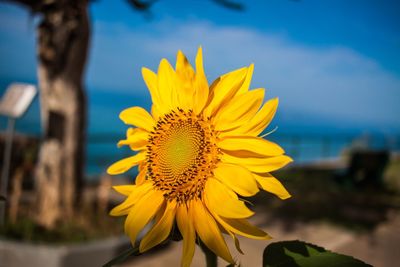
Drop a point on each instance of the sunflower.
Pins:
(198, 152)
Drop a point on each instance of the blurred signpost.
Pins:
(13, 105)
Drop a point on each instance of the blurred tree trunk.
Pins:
(62, 46)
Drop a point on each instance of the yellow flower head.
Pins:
(197, 152)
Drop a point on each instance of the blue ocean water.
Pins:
(318, 139)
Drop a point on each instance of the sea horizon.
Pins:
(305, 137)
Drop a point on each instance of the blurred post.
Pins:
(103, 194)
(14, 103)
(15, 194)
(6, 168)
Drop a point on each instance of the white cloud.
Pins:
(332, 81)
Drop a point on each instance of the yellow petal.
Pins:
(208, 230)
(137, 193)
(160, 212)
(237, 243)
(223, 89)
(261, 120)
(142, 212)
(142, 166)
(183, 68)
(242, 227)
(235, 239)
(201, 90)
(270, 184)
(136, 139)
(250, 146)
(246, 84)
(133, 131)
(150, 78)
(215, 193)
(125, 190)
(141, 177)
(186, 227)
(155, 112)
(125, 164)
(237, 178)
(167, 86)
(138, 117)
(186, 77)
(160, 231)
(239, 110)
(260, 165)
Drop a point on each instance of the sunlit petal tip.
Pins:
(274, 104)
(285, 160)
(181, 56)
(151, 81)
(138, 117)
(124, 189)
(180, 60)
(270, 184)
(164, 63)
(249, 76)
(200, 66)
(163, 69)
(123, 165)
(113, 213)
(120, 143)
(116, 212)
(146, 71)
(199, 55)
(112, 170)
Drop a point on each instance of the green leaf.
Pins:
(301, 254)
(122, 257)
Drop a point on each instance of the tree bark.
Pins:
(63, 40)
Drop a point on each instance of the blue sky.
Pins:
(338, 61)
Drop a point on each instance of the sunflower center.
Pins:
(181, 155)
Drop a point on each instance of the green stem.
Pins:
(211, 258)
(122, 257)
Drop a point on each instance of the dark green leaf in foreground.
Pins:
(301, 254)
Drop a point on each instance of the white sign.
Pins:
(17, 99)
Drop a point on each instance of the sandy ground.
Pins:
(379, 248)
